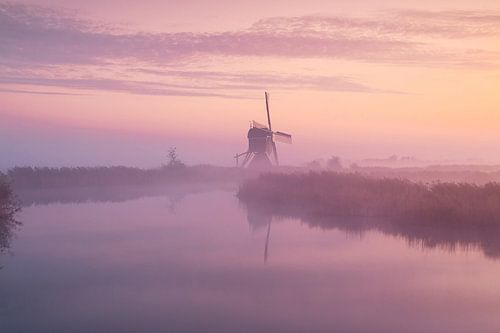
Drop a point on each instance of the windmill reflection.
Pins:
(259, 218)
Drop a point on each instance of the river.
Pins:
(198, 261)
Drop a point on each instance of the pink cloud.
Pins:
(45, 36)
(34, 38)
(395, 25)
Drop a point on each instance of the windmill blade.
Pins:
(275, 153)
(267, 109)
(258, 125)
(283, 137)
(266, 247)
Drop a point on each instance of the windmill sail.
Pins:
(267, 109)
(283, 137)
(258, 125)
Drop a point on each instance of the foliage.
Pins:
(334, 163)
(8, 208)
(173, 159)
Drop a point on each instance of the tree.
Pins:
(315, 164)
(334, 163)
(173, 159)
(8, 208)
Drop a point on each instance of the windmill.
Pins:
(262, 143)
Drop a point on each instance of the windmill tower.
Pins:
(262, 144)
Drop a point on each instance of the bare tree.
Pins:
(173, 159)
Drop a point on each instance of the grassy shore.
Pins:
(72, 177)
(326, 194)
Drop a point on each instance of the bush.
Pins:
(8, 208)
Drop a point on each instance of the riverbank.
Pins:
(77, 177)
(328, 194)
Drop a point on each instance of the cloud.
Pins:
(36, 42)
(37, 92)
(196, 83)
(254, 81)
(96, 84)
(38, 35)
(392, 25)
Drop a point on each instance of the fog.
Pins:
(37, 145)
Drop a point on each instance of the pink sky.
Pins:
(115, 82)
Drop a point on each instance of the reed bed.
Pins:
(68, 177)
(328, 194)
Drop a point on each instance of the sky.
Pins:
(120, 82)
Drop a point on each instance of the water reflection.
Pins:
(421, 234)
(113, 194)
(131, 266)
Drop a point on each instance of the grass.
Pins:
(335, 194)
(67, 177)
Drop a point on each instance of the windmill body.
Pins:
(261, 144)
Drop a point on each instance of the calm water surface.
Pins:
(201, 262)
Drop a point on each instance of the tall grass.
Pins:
(479, 174)
(44, 178)
(335, 194)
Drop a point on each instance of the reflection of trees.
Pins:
(8, 209)
(423, 234)
(429, 234)
(113, 194)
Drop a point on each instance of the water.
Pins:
(197, 262)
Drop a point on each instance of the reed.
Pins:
(352, 194)
(68, 177)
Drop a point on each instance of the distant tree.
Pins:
(315, 164)
(173, 159)
(334, 163)
(354, 166)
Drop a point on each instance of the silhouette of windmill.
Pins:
(261, 143)
(260, 218)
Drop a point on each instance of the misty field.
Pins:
(329, 194)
